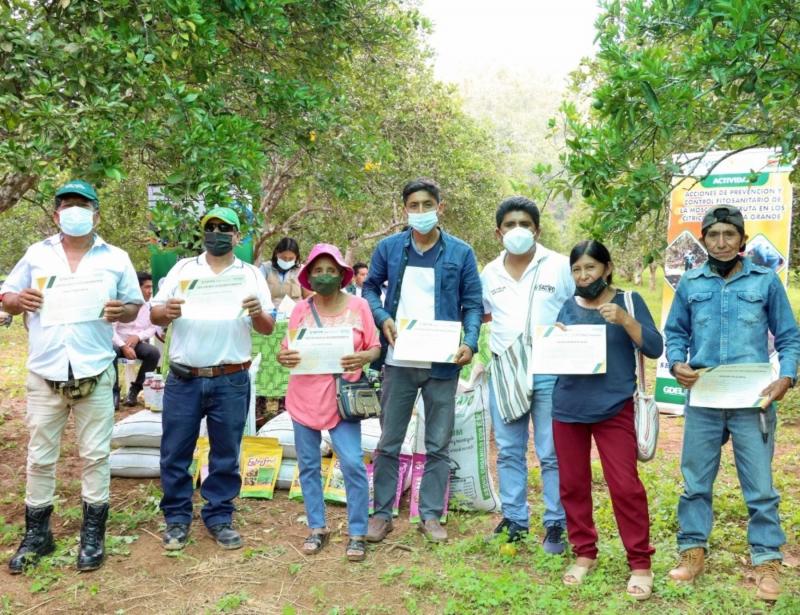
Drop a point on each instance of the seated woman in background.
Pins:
(281, 272)
(311, 399)
(601, 406)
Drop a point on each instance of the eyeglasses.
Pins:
(222, 227)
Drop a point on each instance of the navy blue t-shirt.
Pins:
(592, 398)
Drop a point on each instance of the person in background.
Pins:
(281, 272)
(600, 406)
(360, 271)
(208, 378)
(70, 371)
(721, 315)
(507, 288)
(311, 399)
(432, 275)
(131, 340)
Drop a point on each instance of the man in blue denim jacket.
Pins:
(722, 314)
(431, 276)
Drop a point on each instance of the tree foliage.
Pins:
(674, 76)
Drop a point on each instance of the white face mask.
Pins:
(76, 221)
(518, 240)
(286, 265)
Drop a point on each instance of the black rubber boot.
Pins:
(93, 537)
(133, 396)
(38, 539)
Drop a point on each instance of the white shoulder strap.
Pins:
(640, 382)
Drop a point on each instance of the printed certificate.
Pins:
(321, 348)
(580, 349)
(731, 386)
(434, 341)
(213, 298)
(71, 298)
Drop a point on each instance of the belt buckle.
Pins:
(205, 372)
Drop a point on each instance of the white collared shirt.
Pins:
(86, 346)
(506, 299)
(205, 343)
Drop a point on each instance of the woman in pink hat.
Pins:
(311, 399)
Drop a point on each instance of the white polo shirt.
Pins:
(86, 346)
(205, 343)
(506, 299)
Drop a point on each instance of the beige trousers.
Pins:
(46, 418)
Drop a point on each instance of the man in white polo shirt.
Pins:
(208, 377)
(70, 364)
(525, 275)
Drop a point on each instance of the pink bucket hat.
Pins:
(325, 249)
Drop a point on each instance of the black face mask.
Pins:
(593, 290)
(723, 268)
(218, 244)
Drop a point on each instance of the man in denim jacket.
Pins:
(431, 276)
(721, 315)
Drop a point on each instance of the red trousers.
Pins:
(616, 443)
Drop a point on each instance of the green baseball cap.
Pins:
(226, 214)
(79, 187)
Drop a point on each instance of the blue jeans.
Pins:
(512, 460)
(224, 402)
(346, 440)
(705, 430)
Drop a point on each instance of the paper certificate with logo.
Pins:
(434, 341)
(580, 349)
(321, 348)
(72, 298)
(731, 386)
(213, 298)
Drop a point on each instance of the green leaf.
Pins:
(651, 98)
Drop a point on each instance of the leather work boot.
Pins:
(133, 396)
(378, 528)
(433, 530)
(93, 537)
(691, 565)
(768, 586)
(38, 539)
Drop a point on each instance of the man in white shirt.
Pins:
(360, 271)
(131, 340)
(525, 276)
(70, 365)
(208, 377)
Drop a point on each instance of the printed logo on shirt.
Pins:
(497, 290)
(547, 288)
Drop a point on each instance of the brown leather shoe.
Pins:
(691, 565)
(768, 586)
(433, 530)
(378, 528)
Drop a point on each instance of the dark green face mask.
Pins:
(218, 244)
(326, 283)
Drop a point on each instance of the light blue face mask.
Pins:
(76, 221)
(423, 223)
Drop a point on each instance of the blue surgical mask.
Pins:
(286, 265)
(423, 223)
(76, 221)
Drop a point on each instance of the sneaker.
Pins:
(553, 542)
(378, 528)
(433, 530)
(690, 566)
(176, 536)
(768, 585)
(226, 536)
(513, 531)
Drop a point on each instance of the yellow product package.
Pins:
(296, 491)
(260, 462)
(199, 467)
(334, 484)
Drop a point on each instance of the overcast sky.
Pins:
(540, 36)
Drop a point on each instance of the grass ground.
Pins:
(403, 575)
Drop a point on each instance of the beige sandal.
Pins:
(575, 573)
(642, 582)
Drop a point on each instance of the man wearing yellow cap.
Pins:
(212, 301)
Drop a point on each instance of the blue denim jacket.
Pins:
(458, 294)
(723, 321)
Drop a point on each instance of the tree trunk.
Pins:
(653, 269)
(13, 187)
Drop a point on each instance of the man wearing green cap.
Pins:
(209, 356)
(72, 285)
